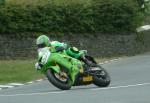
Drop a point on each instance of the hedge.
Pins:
(111, 16)
(2, 2)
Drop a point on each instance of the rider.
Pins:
(71, 51)
(47, 55)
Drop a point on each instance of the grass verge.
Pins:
(18, 71)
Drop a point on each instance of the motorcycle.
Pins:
(59, 76)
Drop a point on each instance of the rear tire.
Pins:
(56, 82)
(102, 81)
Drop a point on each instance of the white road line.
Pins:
(15, 84)
(127, 86)
(30, 82)
(101, 63)
(112, 60)
(29, 94)
(106, 62)
(39, 80)
(118, 58)
(59, 92)
(6, 86)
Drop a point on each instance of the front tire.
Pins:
(102, 81)
(59, 83)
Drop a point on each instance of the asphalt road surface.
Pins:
(130, 84)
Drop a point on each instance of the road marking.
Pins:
(127, 86)
(59, 92)
(112, 60)
(6, 86)
(15, 84)
(39, 80)
(30, 82)
(29, 94)
(106, 62)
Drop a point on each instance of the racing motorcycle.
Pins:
(59, 76)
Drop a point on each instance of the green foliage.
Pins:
(147, 7)
(113, 16)
(2, 2)
(43, 2)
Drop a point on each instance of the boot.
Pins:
(89, 63)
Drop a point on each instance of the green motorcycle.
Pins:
(74, 73)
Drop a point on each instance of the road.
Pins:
(130, 84)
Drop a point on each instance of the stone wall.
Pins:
(102, 45)
(11, 48)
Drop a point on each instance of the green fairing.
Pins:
(74, 54)
(56, 68)
(52, 60)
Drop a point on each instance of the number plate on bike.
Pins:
(87, 79)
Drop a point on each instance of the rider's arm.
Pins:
(43, 55)
(58, 44)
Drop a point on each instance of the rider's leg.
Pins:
(70, 64)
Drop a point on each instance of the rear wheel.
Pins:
(60, 80)
(101, 78)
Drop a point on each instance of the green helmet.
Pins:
(42, 41)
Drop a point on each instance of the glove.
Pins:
(37, 66)
(65, 45)
(60, 48)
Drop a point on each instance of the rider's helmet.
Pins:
(42, 41)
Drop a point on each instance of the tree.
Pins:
(2, 2)
(144, 5)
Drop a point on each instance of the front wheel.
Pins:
(60, 80)
(102, 78)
